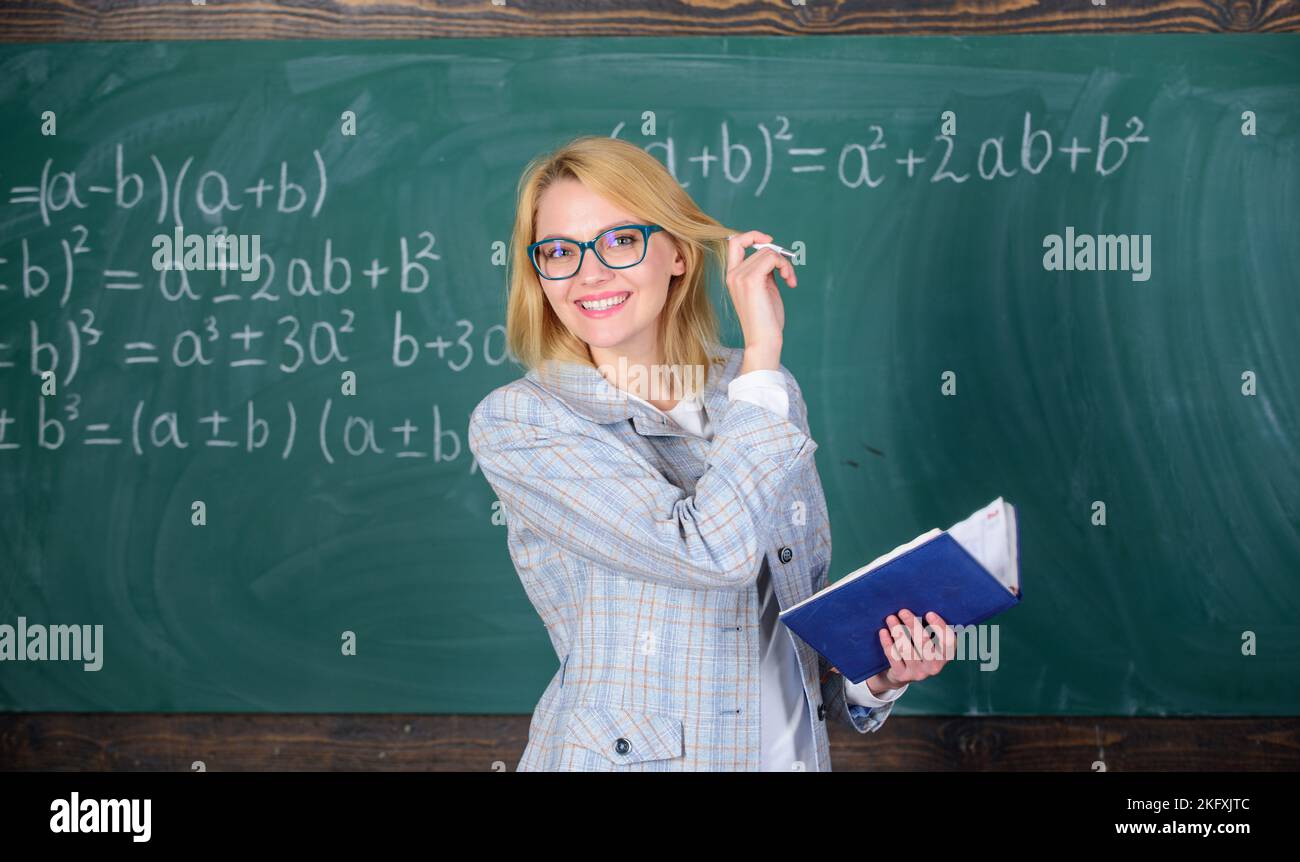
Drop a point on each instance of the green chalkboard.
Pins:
(943, 361)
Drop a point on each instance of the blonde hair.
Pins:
(628, 176)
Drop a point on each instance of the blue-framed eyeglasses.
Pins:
(618, 248)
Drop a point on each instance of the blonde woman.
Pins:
(657, 529)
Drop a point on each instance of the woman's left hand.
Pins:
(913, 653)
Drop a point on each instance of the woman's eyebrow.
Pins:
(602, 230)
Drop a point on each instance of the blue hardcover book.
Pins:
(966, 574)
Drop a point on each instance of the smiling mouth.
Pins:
(604, 304)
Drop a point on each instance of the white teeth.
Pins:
(608, 302)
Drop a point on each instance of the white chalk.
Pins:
(776, 248)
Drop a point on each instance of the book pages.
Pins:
(989, 535)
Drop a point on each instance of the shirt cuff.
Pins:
(764, 387)
(860, 693)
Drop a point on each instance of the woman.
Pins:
(656, 532)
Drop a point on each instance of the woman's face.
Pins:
(568, 209)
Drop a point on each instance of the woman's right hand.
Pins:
(757, 299)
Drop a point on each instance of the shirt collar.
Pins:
(586, 391)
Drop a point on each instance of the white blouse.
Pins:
(787, 734)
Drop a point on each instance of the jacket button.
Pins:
(622, 746)
(821, 712)
(786, 554)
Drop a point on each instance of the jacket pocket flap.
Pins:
(625, 735)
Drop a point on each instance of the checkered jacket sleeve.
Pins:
(556, 474)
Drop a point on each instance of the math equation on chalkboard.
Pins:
(300, 297)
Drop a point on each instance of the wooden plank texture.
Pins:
(74, 20)
(472, 743)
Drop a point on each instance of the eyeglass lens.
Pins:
(617, 248)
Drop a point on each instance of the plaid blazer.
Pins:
(640, 546)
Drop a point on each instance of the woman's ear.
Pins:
(679, 261)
